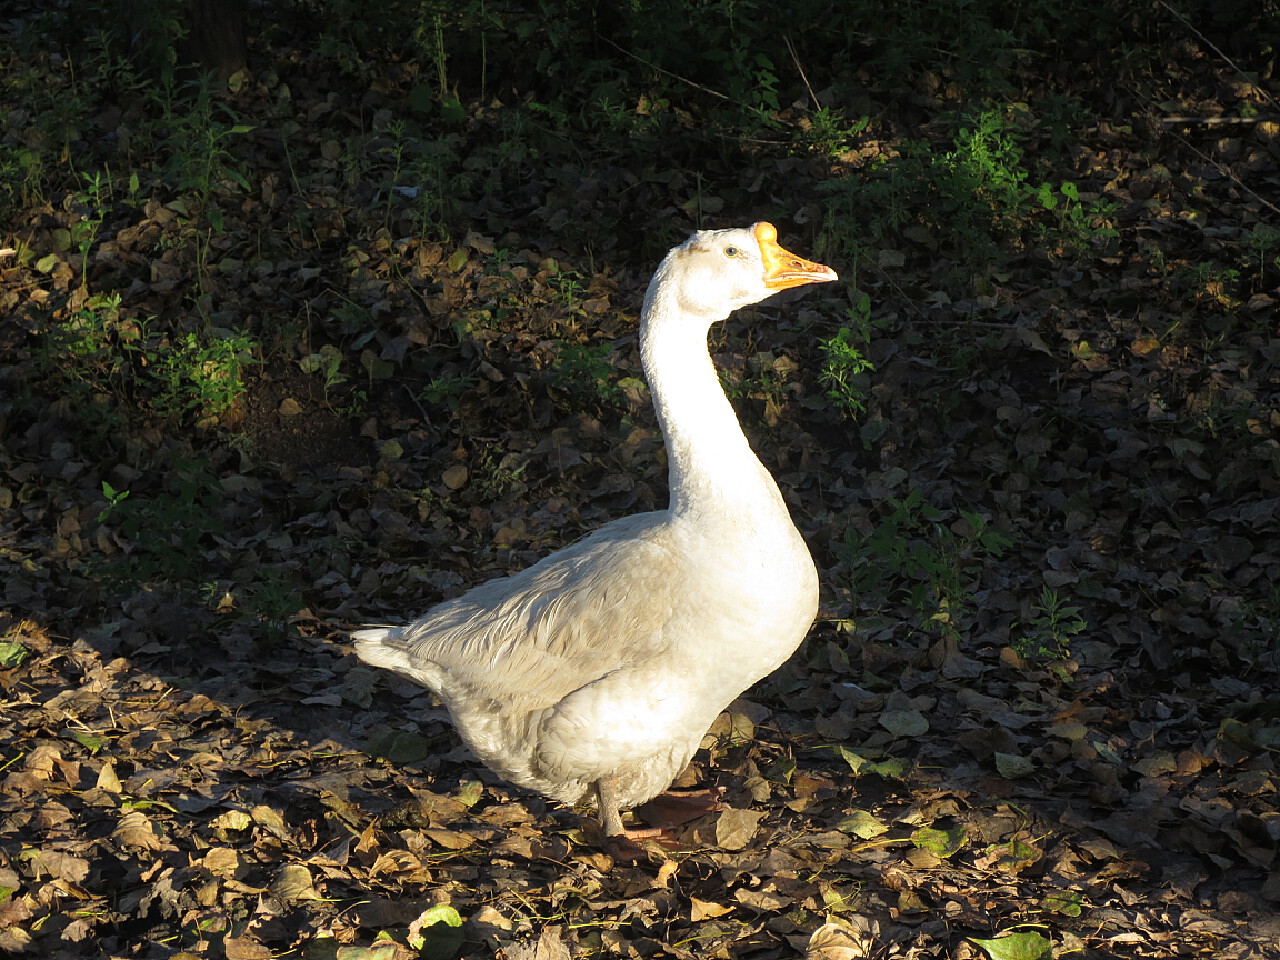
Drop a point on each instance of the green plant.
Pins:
(114, 499)
(201, 130)
(1059, 115)
(767, 377)
(92, 356)
(109, 361)
(912, 557)
(327, 361)
(497, 478)
(151, 33)
(584, 370)
(162, 536)
(104, 67)
(20, 178)
(972, 197)
(82, 339)
(983, 186)
(272, 600)
(1262, 256)
(1077, 225)
(47, 109)
(357, 405)
(568, 287)
(845, 367)
(1211, 283)
(1255, 626)
(448, 388)
(202, 375)
(1226, 420)
(828, 131)
(1048, 633)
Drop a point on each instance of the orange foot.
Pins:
(676, 807)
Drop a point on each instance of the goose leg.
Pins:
(611, 817)
(607, 804)
(622, 840)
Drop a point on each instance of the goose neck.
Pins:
(712, 469)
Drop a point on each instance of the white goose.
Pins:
(599, 669)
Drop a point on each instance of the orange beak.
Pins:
(783, 269)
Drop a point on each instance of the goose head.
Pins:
(715, 272)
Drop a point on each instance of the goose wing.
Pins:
(589, 610)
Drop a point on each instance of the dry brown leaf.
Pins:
(844, 938)
(271, 821)
(57, 864)
(704, 910)
(245, 948)
(549, 946)
(399, 863)
(735, 828)
(764, 899)
(135, 832)
(221, 862)
(293, 882)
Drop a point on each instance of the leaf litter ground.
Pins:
(209, 772)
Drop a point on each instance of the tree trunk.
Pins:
(216, 40)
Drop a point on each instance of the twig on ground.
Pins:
(803, 76)
(1212, 46)
(654, 66)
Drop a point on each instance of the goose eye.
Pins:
(732, 252)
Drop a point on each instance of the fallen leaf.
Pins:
(704, 909)
(735, 828)
(904, 723)
(136, 832)
(1017, 946)
(1012, 767)
(293, 882)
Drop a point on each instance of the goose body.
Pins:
(599, 669)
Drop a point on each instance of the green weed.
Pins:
(201, 130)
(1261, 262)
(828, 131)
(114, 499)
(1047, 636)
(21, 170)
(327, 362)
(449, 389)
(91, 203)
(1255, 626)
(271, 600)
(1077, 226)
(585, 371)
(111, 362)
(357, 405)
(976, 201)
(164, 535)
(201, 374)
(767, 378)
(1231, 421)
(497, 477)
(569, 290)
(913, 558)
(1211, 283)
(845, 367)
(420, 171)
